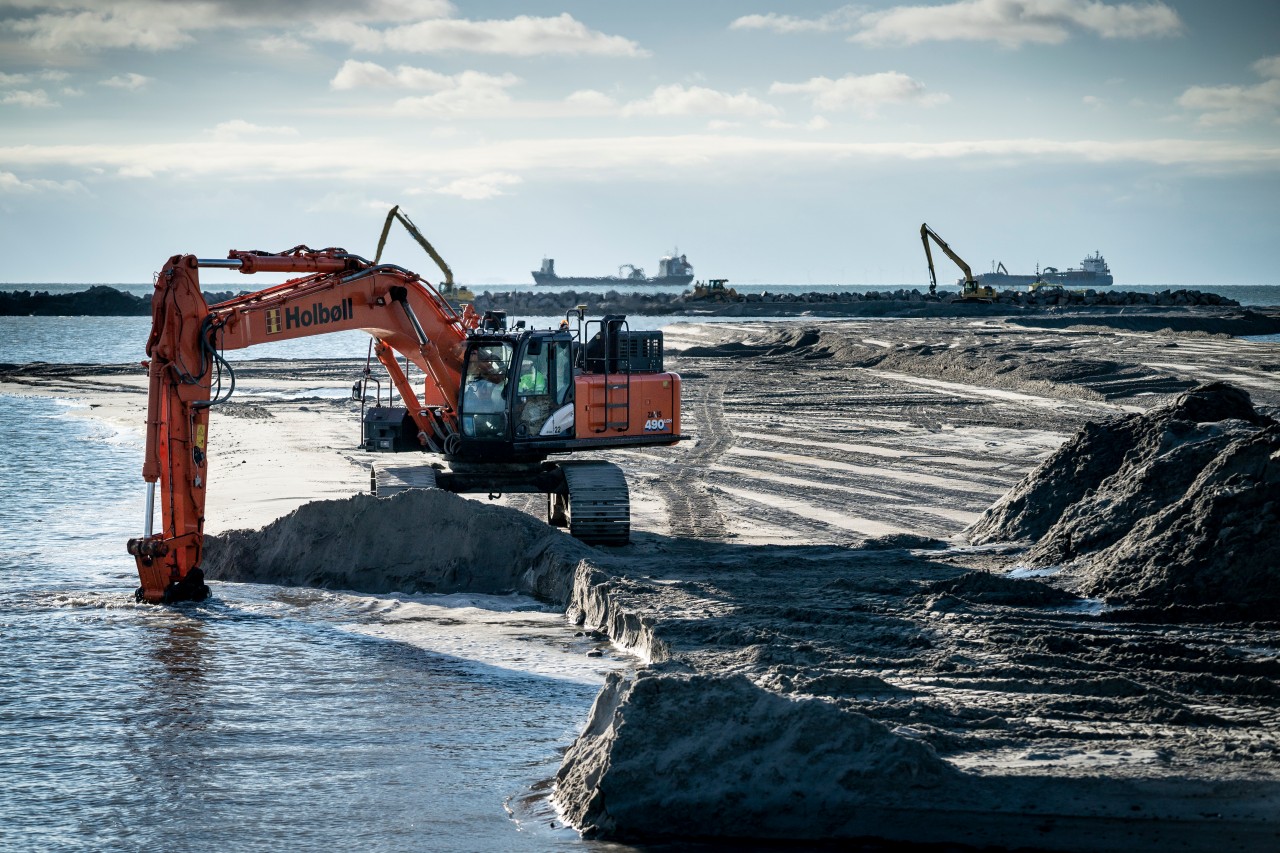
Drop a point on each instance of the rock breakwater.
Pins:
(98, 301)
(106, 301)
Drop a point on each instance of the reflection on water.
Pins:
(263, 719)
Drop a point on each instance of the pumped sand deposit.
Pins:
(1178, 507)
(821, 652)
(421, 540)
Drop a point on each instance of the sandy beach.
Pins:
(825, 652)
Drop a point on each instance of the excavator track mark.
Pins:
(599, 510)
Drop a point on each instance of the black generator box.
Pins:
(389, 429)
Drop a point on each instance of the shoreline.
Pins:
(773, 590)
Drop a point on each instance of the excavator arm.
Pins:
(337, 291)
(926, 233)
(396, 214)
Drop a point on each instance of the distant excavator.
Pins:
(447, 288)
(495, 402)
(970, 289)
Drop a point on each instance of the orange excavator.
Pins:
(495, 402)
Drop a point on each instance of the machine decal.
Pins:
(273, 321)
(318, 314)
(656, 424)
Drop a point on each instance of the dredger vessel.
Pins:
(673, 269)
(1092, 272)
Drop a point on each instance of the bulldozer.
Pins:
(713, 291)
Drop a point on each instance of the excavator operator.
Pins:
(483, 400)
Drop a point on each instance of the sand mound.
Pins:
(421, 540)
(1216, 549)
(1173, 507)
(904, 541)
(984, 588)
(716, 755)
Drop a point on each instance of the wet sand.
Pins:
(821, 660)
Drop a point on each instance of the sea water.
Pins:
(266, 718)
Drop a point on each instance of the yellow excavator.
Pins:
(970, 290)
(447, 288)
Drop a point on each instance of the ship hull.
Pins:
(1071, 278)
(611, 281)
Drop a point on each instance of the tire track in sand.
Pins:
(692, 509)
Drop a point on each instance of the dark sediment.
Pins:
(362, 544)
(1173, 508)
(1044, 724)
(697, 755)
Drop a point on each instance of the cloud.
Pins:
(1017, 22)
(362, 75)
(472, 94)
(49, 75)
(351, 163)
(91, 26)
(11, 184)
(1268, 66)
(282, 46)
(475, 94)
(239, 129)
(844, 18)
(480, 187)
(1008, 22)
(34, 98)
(131, 81)
(523, 35)
(676, 100)
(1232, 105)
(591, 101)
(863, 93)
(415, 26)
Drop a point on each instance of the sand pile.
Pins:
(421, 540)
(1177, 507)
(715, 755)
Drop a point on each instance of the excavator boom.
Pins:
(395, 214)
(337, 292)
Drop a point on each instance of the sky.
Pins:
(779, 141)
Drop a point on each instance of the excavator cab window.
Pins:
(485, 389)
(544, 398)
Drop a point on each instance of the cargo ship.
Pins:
(674, 269)
(1093, 272)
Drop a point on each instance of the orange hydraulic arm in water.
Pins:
(337, 292)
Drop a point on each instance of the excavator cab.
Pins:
(517, 388)
(485, 398)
